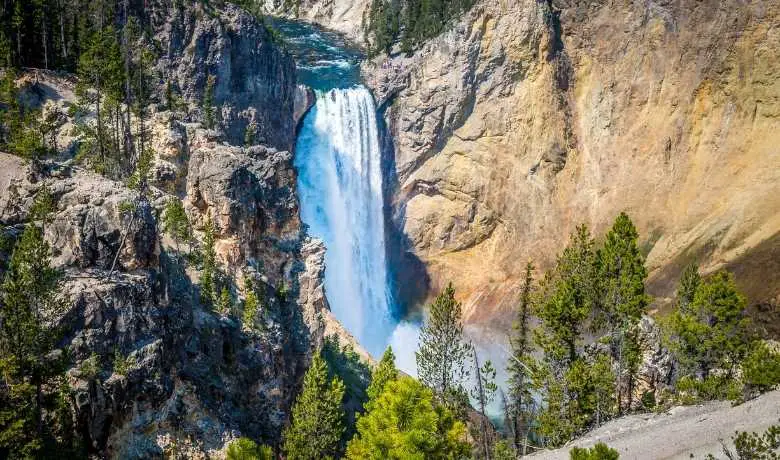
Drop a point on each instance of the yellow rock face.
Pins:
(670, 113)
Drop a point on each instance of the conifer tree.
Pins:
(176, 222)
(208, 102)
(484, 392)
(251, 306)
(686, 291)
(623, 301)
(520, 380)
(317, 416)
(208, 273)
(224, 302)
(383, 373)
(442, 353)
(569, 293)
(406, 422)
(246, 449)
(713, 332)
(30, 298)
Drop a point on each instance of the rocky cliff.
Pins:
(156, 371)
(527, 118)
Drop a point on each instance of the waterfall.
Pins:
(340, 185)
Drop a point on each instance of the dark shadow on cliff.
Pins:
(409, 282)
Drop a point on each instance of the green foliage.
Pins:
(761, 368)
(28, 365)
(250, 311)
(623, 300)
(405, 422)
(127, 207)
(175, 221)
(225, 302)
(89, 369)
(208, 273)
(101, 73)
(686, 291)
(503, 450)
(140, 176)
(409, 21)
(568, 296)
(346, 365)
(713, 332)
(520, 407)
(317, 416)
(598, 452)
(383, 373)
(43, 206)
(442, 353)
(208, 103)
(246, 449)
(122, 363)
(753, 446)
(250, 133)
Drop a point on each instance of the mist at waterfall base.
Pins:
(340, 185)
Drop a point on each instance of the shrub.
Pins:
(598, 452)
(761, 368)
(246, 449)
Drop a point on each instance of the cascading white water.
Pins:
(340, 185)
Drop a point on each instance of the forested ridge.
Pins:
(408, 22)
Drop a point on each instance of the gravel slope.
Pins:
(680, 433)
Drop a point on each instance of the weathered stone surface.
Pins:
(250, 196)
(254, 79)
(527, 118)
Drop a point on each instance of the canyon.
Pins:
(371, 183)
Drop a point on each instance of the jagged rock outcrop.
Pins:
(187, 370)
(527, 118)
(254, 86)
(155, 369)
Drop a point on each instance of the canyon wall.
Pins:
(526, 118)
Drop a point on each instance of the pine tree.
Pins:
(100, 70)
(208, 273)
(442, 353)
(520, 380)
(317, 416)
(406, 422)
(176, 222)
(251, 307)
(483, 393)
(224, 302)
(713, 332)
(382, 374)
(569, 295)
(686, 291)
(208, 102)
(246, 449)
(30, 298)
(623, 301)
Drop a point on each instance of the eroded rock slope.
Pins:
(527, 118)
